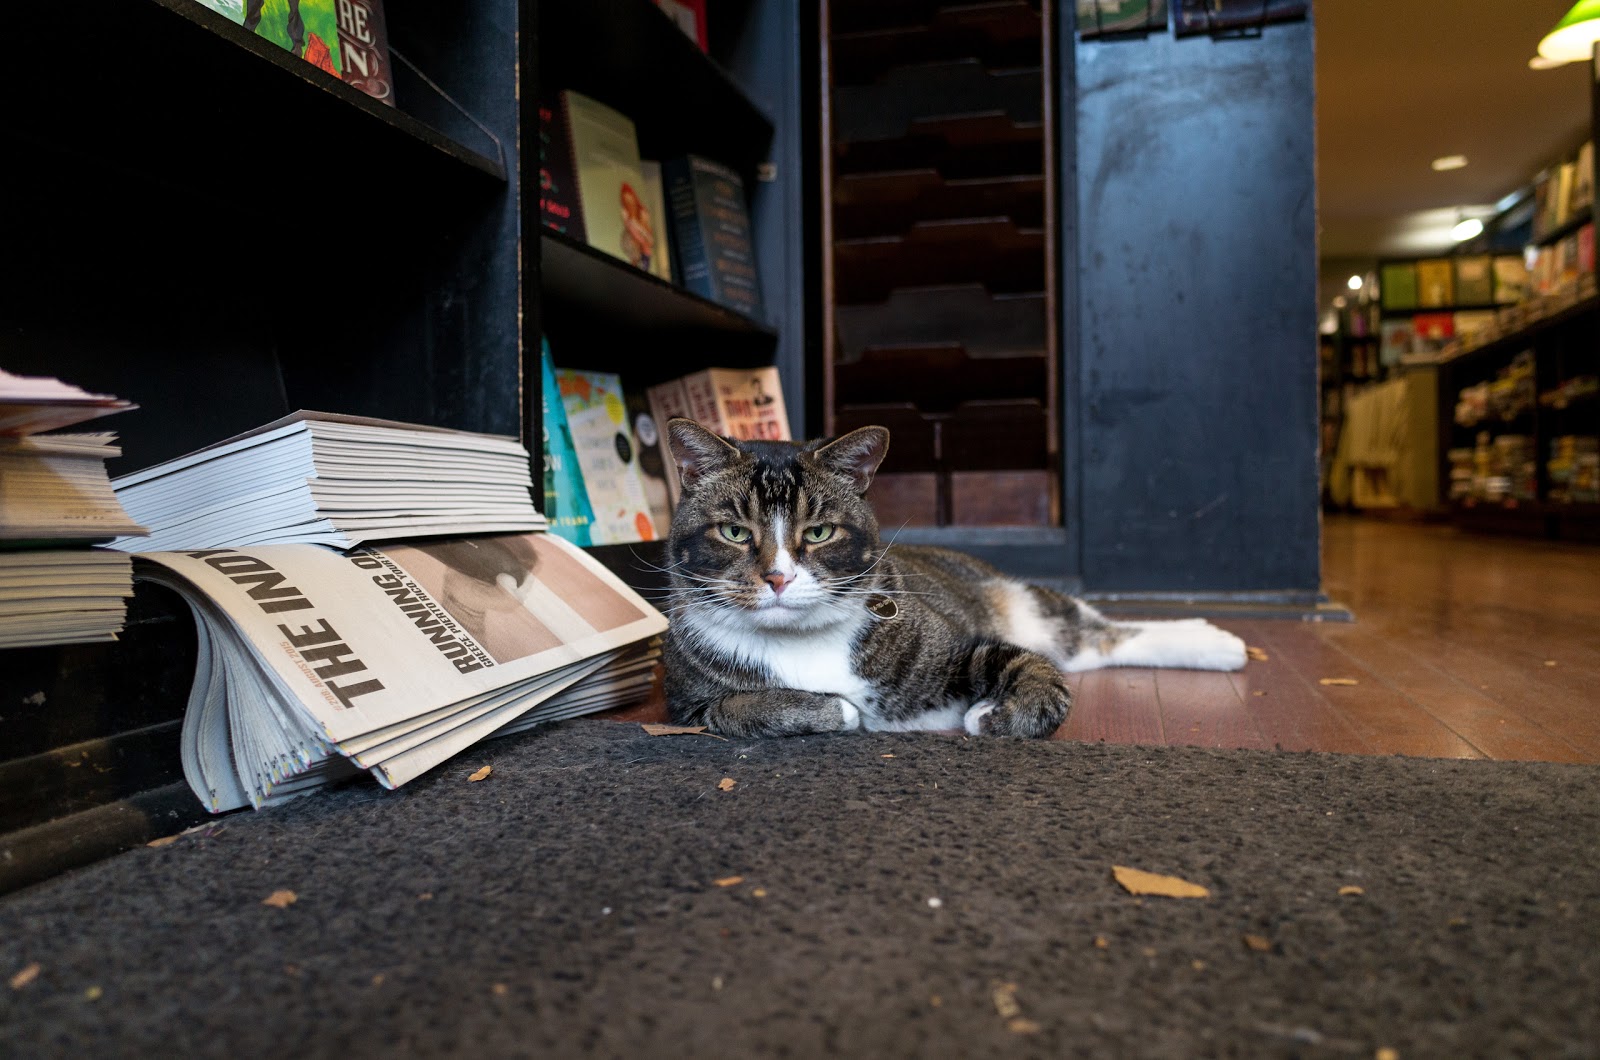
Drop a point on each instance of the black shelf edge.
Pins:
(216, 99)
(638, 564)
(1526, 333)
(597, 284)
(630, 55)
(296, 67)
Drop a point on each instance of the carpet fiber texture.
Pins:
(606, 892)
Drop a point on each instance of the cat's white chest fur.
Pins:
(811, 660)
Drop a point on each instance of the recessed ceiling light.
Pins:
(1354, 283)
(1449, 162)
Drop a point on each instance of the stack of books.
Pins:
(56, 503)
(321, 478)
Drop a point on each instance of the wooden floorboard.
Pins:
(1463, 646)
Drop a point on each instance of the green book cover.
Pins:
(1398, 282)
(566, 502)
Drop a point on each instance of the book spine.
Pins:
(559, 208)
(688, 242)
(725, 229)
(666, 401)
(364, 48)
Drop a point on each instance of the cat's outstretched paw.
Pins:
(973, 721)
(1214, 649)
(852, 714)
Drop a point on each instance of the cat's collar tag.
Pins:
(883, 607)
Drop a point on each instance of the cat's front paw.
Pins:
(1216, 649)
(1032, 714)
(852, 714)
(973, 720)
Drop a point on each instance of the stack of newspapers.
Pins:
(56, 502)
(321, 478)
(316, 664)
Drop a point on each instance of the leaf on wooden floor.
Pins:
(164, 841)
(729, 881)
(1550, 662)
(1258, 693)
(1137, 881)
(656, 729)
(1022, 1026)
(482, 774)
(1337, 681)
(280, 899)
(726, 783)
(1005, 1000)
(1257, 654)
(26, 976)
(1259, 943)
(759, 892)
(1350, 889)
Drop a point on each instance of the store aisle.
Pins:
(1464, 646)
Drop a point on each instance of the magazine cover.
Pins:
(346, 38)
(597, 412)
(566, 502)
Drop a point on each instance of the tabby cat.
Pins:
(790, 616)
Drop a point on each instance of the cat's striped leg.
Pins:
(779, 712)
(1015, 692)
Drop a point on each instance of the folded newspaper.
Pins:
(315, 665)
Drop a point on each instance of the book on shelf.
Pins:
(1397, 285)
(653, 203)
(566, 501)
(1436, 287)
(651, 440)
(689, 16)
(316, 665)
(558, 181)
(597, 414)
(345, 38)
(1582, 196)
(1474, 280)
(711, 234)
(1510, 279)
(1398, 339)
(324, 478)
(742, 403)
(1098, 18)
(56, 502)
(604, 166)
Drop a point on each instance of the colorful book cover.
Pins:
(1399, 339)
(653, 207)
(605, 158)
(1398, 284)
(1097, 18)
(1436, 284)
(668, 400)
(1474, 280)
(558, 183)
(711, 234)
(346, 38)
(597, 414)
(566, 501)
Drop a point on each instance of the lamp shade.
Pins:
(1573, 39)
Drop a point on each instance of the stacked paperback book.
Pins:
(318, 478)
(55, 503)
(328, 648)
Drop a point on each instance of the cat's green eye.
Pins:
(734, 532)
(816, 535)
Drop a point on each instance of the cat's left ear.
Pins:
(856, 455)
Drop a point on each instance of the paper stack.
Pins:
(321, 478)
(55, 502)
(316, 665)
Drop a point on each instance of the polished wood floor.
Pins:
(1464, 646)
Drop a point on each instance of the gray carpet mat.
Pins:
(898, 895)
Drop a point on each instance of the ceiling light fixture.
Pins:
(1449, 162)
(1573, 39)
(1471, 228)
(1354, 283)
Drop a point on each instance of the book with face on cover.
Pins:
(743, 403)
(604, 151)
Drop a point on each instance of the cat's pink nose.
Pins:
(776, 580)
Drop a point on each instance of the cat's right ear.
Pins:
(696, 451)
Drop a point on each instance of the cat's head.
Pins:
(779, 533)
